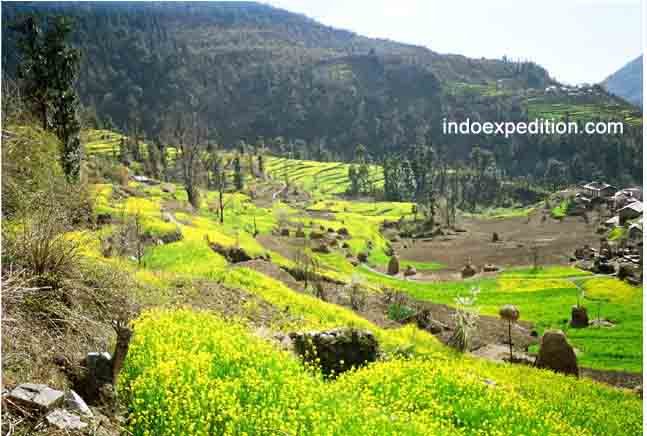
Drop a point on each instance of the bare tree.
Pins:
(306, 263)
(189, 136)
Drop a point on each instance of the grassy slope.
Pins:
(545, 297)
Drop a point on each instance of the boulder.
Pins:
(300, 234)
(322, 248)
(634, 281)
(316, 235)
(579, 317)
(410, 271)
(170, 237)
(64, 420)
(74, 402)
(601, 267)
(627, 269)
(37, 397)
(99, 366)
(394, 266)
(602, 323)
(425, 321)
(285, 232)
(362, 257)
(468, 271)
(338, 350)
(556, 354)
(232, 254)
(345, 245)
(488, 267)
(169, 188)
(331, 230)
(638, 390)
(495, 237)
(343, 231)
(437, 232)
(104, 219)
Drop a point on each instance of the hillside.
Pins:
(256, 73)
(186, 371)
(172, 276)
(627, 82)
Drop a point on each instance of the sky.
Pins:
(577, 41)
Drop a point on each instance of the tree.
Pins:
(363, 178)
(239, 178)
(555, 174)
(188, 135)
(261, 166)
(48, 71)
(218, 180)
(353, 189)
(482, 165)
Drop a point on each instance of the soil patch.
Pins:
(557, 240)
(274, 271)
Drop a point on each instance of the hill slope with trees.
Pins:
(264, 75)
(627, 82)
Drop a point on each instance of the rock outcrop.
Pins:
(37, 397)
(579, 317)
(468, 270)
(338, 350)
(556, 354)
(394, 266)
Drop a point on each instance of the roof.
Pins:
(636, 206)
(614, 221)
(597, 186)
(638, 226)
(628, 192)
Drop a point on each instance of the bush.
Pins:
(400, 312)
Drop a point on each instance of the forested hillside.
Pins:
(627, 82)
(259, 74)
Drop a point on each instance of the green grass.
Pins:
(561, 210)
(617, 233)
(422, 266)
(185, 257)
(545, 297)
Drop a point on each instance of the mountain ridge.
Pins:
(254, 72)
(627, 82)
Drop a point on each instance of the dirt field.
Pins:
(556, 241)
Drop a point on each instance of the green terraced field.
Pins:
(318, 178)
(545, 297)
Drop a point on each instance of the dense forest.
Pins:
(255, 73)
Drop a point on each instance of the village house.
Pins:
(598, 190)
(629, 212)
(624, 197)
(635, 232)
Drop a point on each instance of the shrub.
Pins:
(466, 319)
(399, 312)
